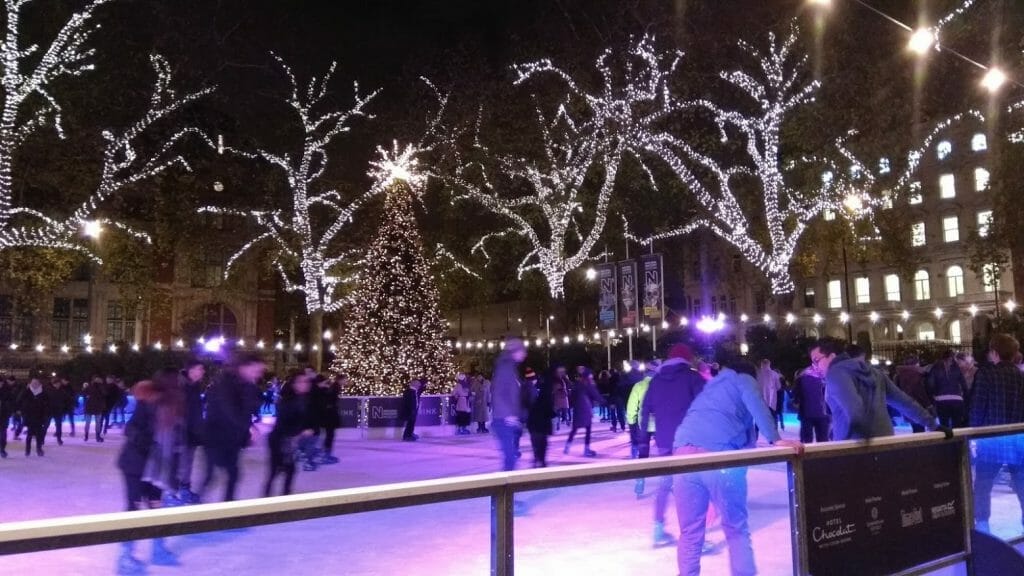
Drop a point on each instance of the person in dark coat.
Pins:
(191, 382)
(948, 388)
(152, 437)
(112, 397)
(507, 402)
(328, 417)
(230, 402)
(57, 396)
(669, 396)
(584, 397)
(910, 378)
(809, 396)
(540, 413)
(295, 419)
(410, 409)
(95, 404)
(561, 388)
(35, 409)
(6, 410)
(70, 403)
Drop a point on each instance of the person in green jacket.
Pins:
(636, 400)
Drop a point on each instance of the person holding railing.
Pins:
(727, 415)
(998, 398)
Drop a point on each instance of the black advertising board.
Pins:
(654, 288)
(383, 412)
(883, 513)
(628, 294)
(348, 409)
(430, 411)
(607, 297)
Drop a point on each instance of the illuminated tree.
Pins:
(394, 330)
(29, 104)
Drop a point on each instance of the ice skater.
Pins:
(295, 421)
(584, 397)
(35, 409)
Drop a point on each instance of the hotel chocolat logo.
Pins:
(911, 517)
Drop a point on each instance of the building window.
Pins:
(829, 215)
(809, 299)
(954, 332)
(70, 320)
(979, 143)
(835, 294)
(883, 166)
(917, 237)
(922, 291)
(732, 305)
(926, 331)
(955, 281)
(887, 200)
(14, 328)
(943, 150)
(208, 271)
(862, 287)
(984, 222)
(220, 321)
(950, 229)
(990, 277)
(981, 178)
(714, 305)
(892, 288)
(697, 310)
(947, 186)
(120, 322)
(915, 193)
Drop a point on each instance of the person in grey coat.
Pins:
(857, 394)
(507, 402)
(583, 399)
(481, 403)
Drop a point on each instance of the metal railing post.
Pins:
(502, 540)
(967, 494)
(797, 518)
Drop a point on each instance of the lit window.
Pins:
(954, 332)
(947, 186)
(917, 234)
(892, 288)
(990, 276)
(955, 281)
(979, 143)
(855, 171)
(862, 287)
(984, 222)
(809, 298)
(981, 177)
(915, 193)
(950, 229)
(926, 331)
(829, 215)
(835, 294)
(883, 166)
(827, 177)
(944, 149)
(922, 290)
(887, 200)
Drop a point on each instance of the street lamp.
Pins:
(921, 41)
(993, 79)
(591, 273)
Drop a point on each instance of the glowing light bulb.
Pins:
(873, 316)
(973, 310)
(790, 318)
(921, 41)
(591, 274)
(844, 317)
(938, 312)
(92, 229)
(816, 318)
(993, 79)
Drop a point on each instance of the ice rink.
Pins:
(600, 529)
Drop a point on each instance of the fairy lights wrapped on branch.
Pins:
(29, 105)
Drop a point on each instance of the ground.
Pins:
(600, 529)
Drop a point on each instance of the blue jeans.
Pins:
(508, 442)
(727, 490)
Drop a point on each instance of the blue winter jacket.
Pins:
(857, 394)
(723, 416)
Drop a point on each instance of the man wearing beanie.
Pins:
(668, 398)
(507, 401)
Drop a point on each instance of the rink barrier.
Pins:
(501, 488)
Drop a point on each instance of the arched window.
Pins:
(944, 149)
(979, 143)
(219, 320)
(954, 331)
(922, 290)
(955, 281)
(925, 331)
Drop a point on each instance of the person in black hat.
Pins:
(539, 416)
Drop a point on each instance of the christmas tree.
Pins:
(394, 331)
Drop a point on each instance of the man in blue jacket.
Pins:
(722, 418)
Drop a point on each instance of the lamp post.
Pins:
(92, 229)
(853, 204)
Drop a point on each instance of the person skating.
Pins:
(192, 383)
(481, 403)
(462, 394)
(947, 387)
(35, 409)
(640, 444)
(721, 418)
(410, 410)
(6, 410)
(668, 397)
(584, 397)
(56, 395)
(328, 418)
(295, 420)
(152, 435)
(540, 414)
(561, 388)
(507, 401)
(809, 397)
(95, 404)
(230, 402)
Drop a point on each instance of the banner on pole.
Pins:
(628, 294)
(608, 297)
(654, 288)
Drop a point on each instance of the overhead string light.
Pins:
(29, 105)
(587, 130)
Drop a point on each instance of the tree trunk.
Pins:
(316, 339)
